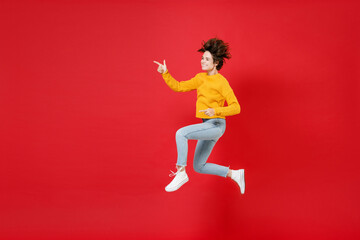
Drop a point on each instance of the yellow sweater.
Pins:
(212, 92)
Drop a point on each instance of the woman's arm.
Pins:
(233, 107)
(182, 86)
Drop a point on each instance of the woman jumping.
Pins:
(212, 92)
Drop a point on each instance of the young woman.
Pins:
(212, 92)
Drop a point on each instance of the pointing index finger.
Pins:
(157, 63)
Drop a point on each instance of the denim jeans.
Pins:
(207, 134)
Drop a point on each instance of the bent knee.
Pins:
(180, 133)
(198, 168)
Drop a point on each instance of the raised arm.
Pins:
(183, 86)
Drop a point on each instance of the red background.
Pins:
(88, 125)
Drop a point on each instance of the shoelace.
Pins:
(174, 173)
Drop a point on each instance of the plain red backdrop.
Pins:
(88, 125)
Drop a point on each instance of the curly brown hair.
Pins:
(219, 50)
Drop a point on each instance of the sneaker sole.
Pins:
(178, 186)
(242, 190)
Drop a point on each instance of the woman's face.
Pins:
(207, 61)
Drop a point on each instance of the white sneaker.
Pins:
(239, 177)
(180, 179)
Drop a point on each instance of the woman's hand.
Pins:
(162, 67)
(210, 112)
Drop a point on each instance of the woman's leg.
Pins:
(202, 152)
(207, 134)
(209, 130)
(195, 131)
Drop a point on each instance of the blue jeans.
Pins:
(207, 134)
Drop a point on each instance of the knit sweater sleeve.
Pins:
(183, 86)
(233, 107)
